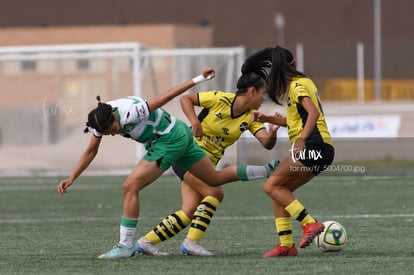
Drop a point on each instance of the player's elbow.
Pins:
(269, 146)
(269, 143)
(91, 152)
(184, 99)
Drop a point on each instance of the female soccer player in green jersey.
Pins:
(311, 150)
(167, 141)
(223, 119)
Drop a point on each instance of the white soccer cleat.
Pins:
(193, 248)
(145, 247)
(117, 252)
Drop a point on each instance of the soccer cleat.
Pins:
(310, 231)
(281, 251)
(271, 166)
(145, 247)
(193, 248)
(117, 252)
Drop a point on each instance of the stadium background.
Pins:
(329, 32)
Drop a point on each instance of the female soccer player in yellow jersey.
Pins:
(223, 119)
(311, 150)
(167, 140)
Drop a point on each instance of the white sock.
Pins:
(127, 236)
(254, 172)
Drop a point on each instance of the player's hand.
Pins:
(64, 185)
(258, 116)
(277, 114)
(299, 145)
(273, 127)
(197, 130)
(208, 73)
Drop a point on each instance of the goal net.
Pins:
(47, 92)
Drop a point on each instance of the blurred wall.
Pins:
(329, 30)
(154, 35)
(49, 78)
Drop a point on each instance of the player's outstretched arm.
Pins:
(162, 99)
(86, 158)
(276, 119)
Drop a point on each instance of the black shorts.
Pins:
(179, 171)
(317, 157)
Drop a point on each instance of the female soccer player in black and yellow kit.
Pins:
(311, 150)
(225, 116)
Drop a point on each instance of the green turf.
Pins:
(42, 232)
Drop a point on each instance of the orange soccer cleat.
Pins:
(310, 231)
(281, 251)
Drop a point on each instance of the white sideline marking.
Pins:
(252, 218)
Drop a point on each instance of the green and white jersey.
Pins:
(138, 122)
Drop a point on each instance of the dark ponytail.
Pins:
(99, 118)
(254, 71)
(281, 73)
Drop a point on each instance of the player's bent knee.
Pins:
(267, 188)
(130, 187)
(270, 188)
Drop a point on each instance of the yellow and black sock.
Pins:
(284, 230)
(298, 211)
(168, 227)
(202, 217)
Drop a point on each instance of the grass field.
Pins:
(42, 232)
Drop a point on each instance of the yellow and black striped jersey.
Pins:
(220, 127)
(296, 115)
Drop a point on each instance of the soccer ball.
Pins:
(333, 238)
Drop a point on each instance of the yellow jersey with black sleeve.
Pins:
(221, 128)
(296, 115)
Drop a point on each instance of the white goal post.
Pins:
(48, 90)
